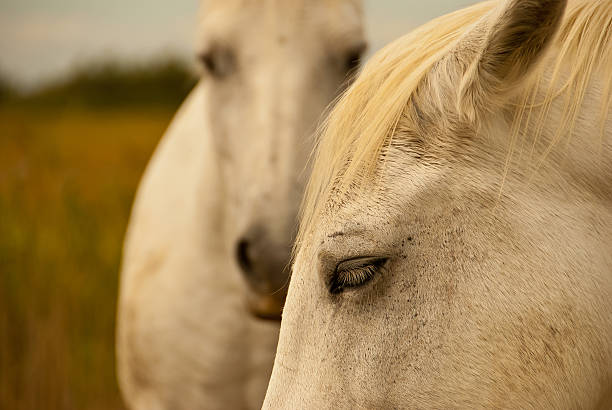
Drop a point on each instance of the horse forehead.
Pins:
(293, 5)
(274, 15)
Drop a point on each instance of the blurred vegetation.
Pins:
(7, 92)
(108, 84)
(71, 155)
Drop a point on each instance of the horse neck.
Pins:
(203, 204)
(177, 199)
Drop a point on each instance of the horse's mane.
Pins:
(354, 135)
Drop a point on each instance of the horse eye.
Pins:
(353, 58)
(208, 62)
(217, 62)
(352, 62)
(353, 273)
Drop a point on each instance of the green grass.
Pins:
(67, 180)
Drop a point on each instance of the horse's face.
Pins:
(271, 68)
(429, 290)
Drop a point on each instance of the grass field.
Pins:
(67, 179)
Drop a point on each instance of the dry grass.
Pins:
(67, 179)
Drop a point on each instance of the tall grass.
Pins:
(68, 173)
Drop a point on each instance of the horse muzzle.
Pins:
(265, 266)
(267, 307)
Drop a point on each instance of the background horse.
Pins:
(456, 243)
(218, 204)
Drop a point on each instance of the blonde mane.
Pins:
(363, 121)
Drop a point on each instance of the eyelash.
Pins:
(358, 275)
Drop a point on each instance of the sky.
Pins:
(43, 39)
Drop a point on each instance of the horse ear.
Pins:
(514, 44)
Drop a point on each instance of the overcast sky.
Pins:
(41, 39)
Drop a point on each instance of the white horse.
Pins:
(455, 249)
(219, 200)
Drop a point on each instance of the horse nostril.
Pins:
(242, 254)
(262, 264)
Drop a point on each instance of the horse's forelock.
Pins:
(353, 137)
(361, 124)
